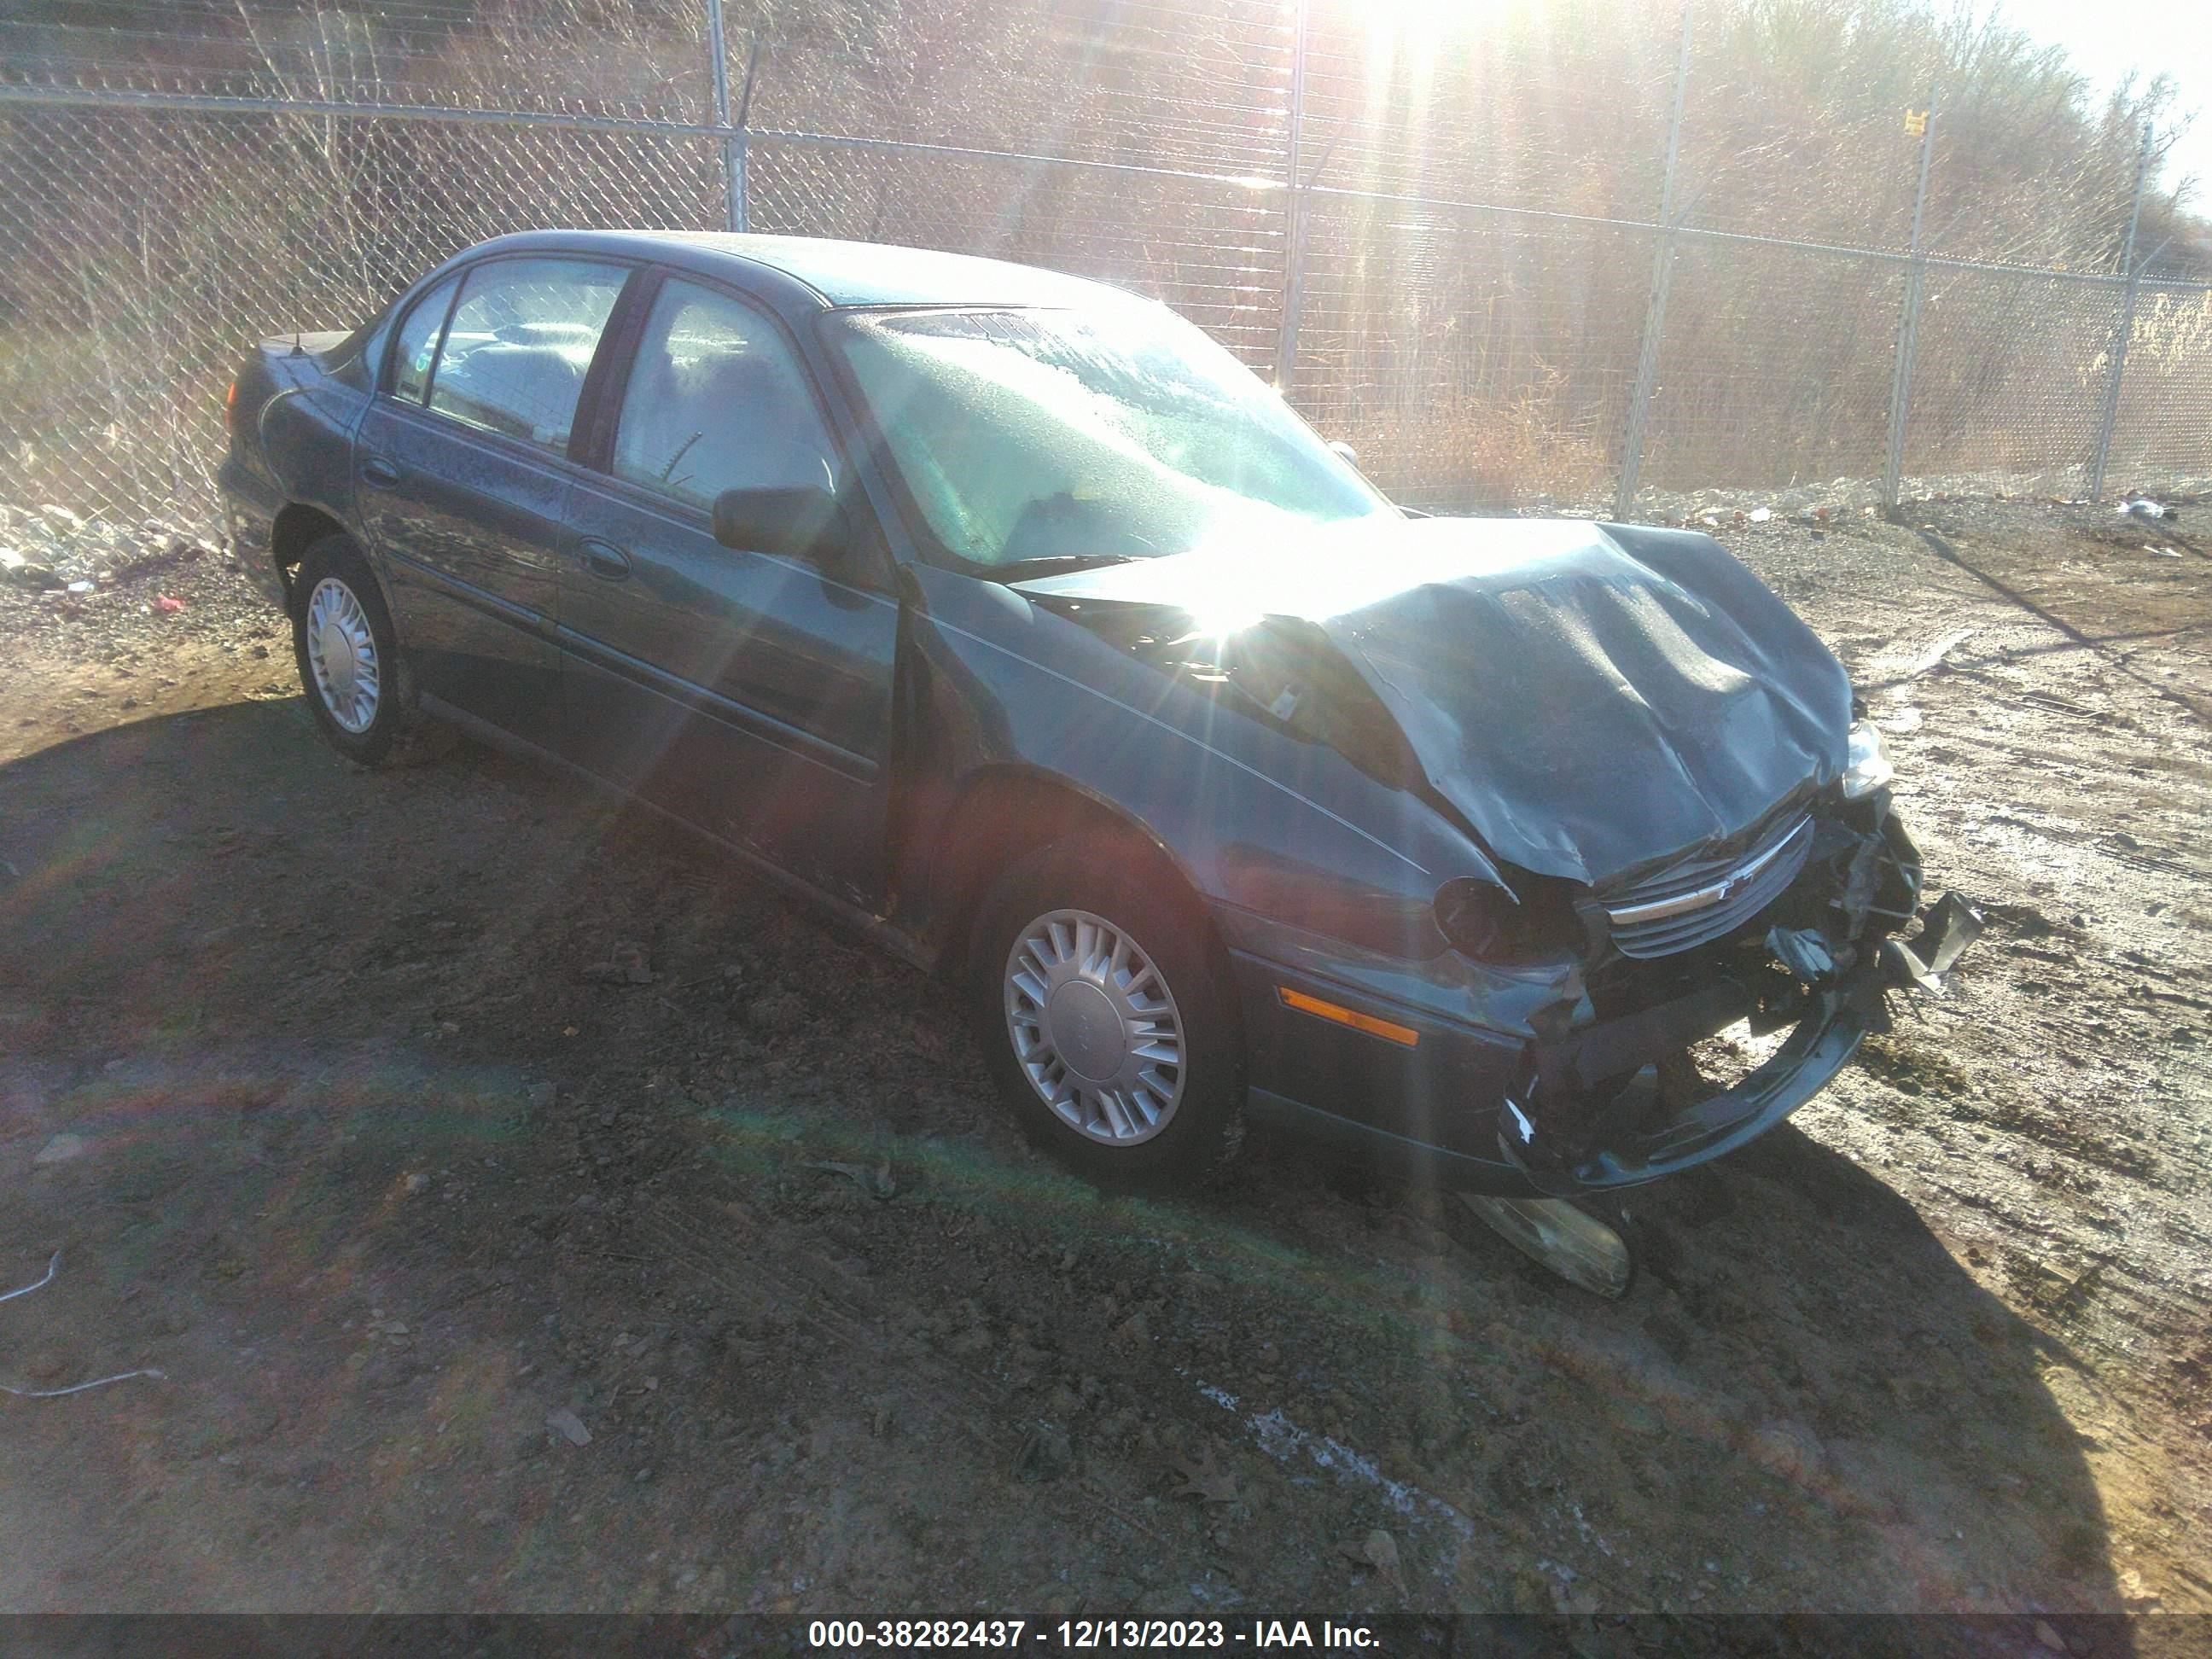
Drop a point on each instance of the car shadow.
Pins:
(1799, 1352)
(1807, 1402)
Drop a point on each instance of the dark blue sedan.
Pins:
(1010, 619)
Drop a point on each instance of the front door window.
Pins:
(717, 402)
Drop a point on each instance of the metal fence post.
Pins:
(1908, 330)
(1654, 313)
(1294, 215)
(2124, 330)
(733, 136)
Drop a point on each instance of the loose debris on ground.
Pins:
(527, 1211)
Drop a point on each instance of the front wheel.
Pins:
(1105, 1011)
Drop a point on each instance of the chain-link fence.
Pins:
(1484, 323)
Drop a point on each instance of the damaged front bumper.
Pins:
(1608, 1097)
(1619, 1101)
(1643, 1130)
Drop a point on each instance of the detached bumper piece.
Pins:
(1572, 1242)
(1950, 926)
(1618, 1102)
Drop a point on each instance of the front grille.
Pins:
(1702, 898)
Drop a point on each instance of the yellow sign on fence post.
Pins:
(1916, 122)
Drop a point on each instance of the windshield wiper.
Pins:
(1057, 564)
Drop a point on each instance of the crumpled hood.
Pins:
(1591, 697)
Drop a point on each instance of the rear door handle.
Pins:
(605, 561)
(378, 471)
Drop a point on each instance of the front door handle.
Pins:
(605, 561)
(378, 471)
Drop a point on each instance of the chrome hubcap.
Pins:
(341, 655)
(1095, 1027)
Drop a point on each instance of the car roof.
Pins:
(832, 272)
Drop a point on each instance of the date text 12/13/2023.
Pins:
(1084, 1635)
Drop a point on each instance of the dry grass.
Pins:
(1475, 455)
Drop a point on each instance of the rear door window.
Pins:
(418, 342)
(520, 344)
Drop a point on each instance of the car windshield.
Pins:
(1051, 438)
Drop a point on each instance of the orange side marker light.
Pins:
(1404, 1034)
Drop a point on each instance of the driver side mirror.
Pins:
(805, 522)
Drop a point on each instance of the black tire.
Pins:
(397, 733)
(1117, 879)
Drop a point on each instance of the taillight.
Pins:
(230, 404)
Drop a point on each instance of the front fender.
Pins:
(1260, 823)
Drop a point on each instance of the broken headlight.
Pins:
(1491, 923)
(1866, 765)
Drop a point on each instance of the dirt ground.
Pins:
(477, 1282)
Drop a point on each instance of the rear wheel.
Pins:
(1105, 1011)
(349, 657)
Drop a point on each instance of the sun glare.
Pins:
(1417, 22)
